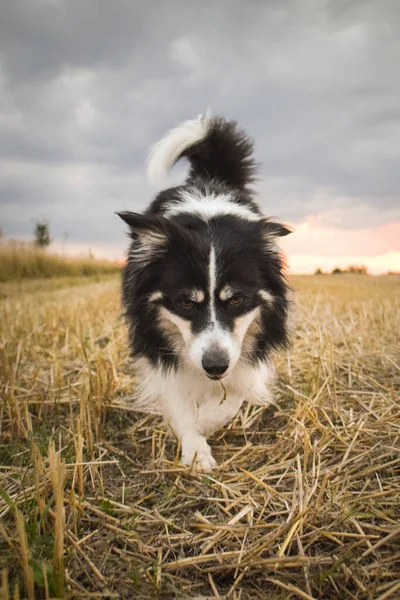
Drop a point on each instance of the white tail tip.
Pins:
(166, 152)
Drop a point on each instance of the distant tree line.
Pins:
(352, 269)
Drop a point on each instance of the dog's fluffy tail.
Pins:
(216, 149)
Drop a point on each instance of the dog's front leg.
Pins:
(181, 416)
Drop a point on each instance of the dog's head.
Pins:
(210, 292)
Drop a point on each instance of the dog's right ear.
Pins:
(272, 229)
(140, 222)
(151, 234)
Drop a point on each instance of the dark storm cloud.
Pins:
(87, 87)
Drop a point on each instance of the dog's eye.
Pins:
(187, 303)
(236, 300)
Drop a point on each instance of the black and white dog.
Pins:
(203, 290)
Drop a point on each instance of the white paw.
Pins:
(198, 452)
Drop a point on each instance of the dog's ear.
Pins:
(139, 222)
(150, 235)
(272, 230)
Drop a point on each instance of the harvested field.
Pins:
(305, 502)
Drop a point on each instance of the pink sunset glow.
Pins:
(313, 246)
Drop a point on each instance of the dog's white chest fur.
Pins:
(194, 407)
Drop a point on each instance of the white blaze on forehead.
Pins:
(212, 282)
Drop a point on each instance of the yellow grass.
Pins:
(305, 502)
(25, 261)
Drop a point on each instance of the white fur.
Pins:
(209, 206)
(150, 244)
(243, 323)
(212, 283)
(192, 404)
(155, 296)
(183, 325)
(215, 337)
(196, 295)
(164, 153)
(226, 293)
(267, 296)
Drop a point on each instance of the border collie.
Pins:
(203, 288)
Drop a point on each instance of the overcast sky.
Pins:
(87, 86)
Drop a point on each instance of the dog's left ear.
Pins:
(272, 230)
(150, 235)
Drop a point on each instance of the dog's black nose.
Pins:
(215, 363)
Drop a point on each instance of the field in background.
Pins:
(25, 261)
(305, 502)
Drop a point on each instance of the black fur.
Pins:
(225, 155)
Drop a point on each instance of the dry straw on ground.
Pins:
(305, 502)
